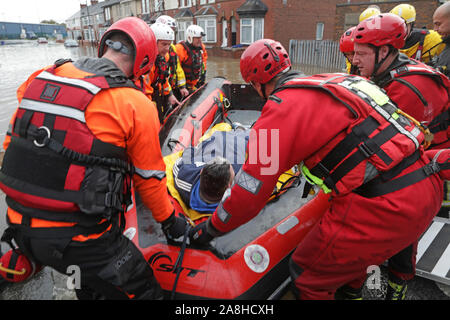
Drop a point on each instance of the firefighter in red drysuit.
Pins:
(417, 89)
(347, 48)
(81, 133)
(318, 121)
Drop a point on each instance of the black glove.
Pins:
(175, 226)
(200, 235)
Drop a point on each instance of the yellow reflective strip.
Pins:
(372, 91)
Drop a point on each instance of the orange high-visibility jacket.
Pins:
(126, 118)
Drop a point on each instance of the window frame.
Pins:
(252, 26)
(322, 30)
(182, 25)
(207, 19)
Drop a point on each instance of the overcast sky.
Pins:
(34, 11)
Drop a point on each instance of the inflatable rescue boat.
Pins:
(251, 262)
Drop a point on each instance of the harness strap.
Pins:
(376, 187)
(418, 55)
(345, 146)
(441, 122)
(57, 147)
(365, 150)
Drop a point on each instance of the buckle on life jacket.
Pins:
(431, 168)
(366, 151)
(45, 137)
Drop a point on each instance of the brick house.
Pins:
(230, 25)
(233, 24)
(347, 14)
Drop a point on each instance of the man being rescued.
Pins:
(199, 176)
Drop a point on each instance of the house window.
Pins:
(98, 19)
(319, 30)
(181, 29)
(185, 3)
(126, 9)
(86, 34)
(202, 1)
(252, 29)
(107, 13)
(85, 21)
(145, 6)
(209, 25)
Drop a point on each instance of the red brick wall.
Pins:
(227, 9)
(298, 19)
(424, 11)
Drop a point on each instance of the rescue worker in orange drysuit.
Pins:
(81, 134)
(358, 137)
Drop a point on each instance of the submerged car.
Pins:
(71, 43)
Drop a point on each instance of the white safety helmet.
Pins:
(194, 31)
(167, 20)
(163, 32)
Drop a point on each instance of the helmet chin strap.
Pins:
(263, 90)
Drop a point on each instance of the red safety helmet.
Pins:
(143, 39)
(346, 41)
(263, 60)
(380, 30)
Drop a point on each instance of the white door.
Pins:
(224, 33)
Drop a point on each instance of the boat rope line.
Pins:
(177, 267)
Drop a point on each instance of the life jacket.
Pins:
(161, 75)
(377, 140)
(173, 62)
(439, 126)
(55, 168)
(193, 65)
(417, 37)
